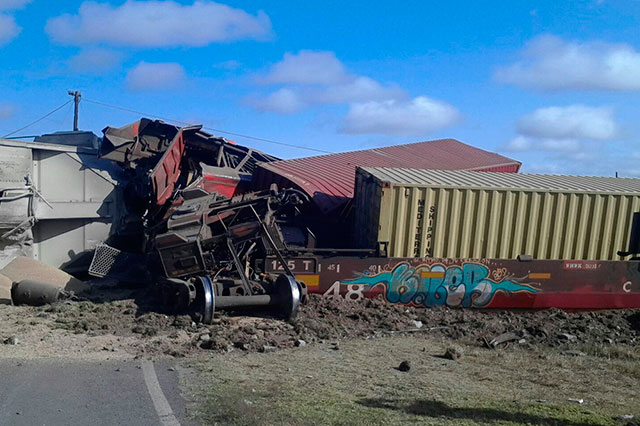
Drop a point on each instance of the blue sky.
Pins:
(552, 84)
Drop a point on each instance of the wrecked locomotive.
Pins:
(200, 233)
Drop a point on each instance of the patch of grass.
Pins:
(623, 352)
(631, 370)
(359, 385)
(236, 406)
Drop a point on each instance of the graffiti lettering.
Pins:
(466, 285)
(626, 287)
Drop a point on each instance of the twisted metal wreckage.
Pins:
(205, 245)
(199, 215)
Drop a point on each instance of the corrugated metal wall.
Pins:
(492, 223)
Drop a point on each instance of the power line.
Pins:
(240, 135)
(39, 119)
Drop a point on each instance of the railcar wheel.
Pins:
(289, 296)
(206, 299)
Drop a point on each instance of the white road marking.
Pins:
(157, 396)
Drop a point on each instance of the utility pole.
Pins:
(76, 100)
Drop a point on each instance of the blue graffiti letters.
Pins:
(467, 285)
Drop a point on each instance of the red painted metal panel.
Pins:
(225, 186)
(329, 179)
(481, 283)
(167, 171)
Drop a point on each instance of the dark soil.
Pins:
(332, 319)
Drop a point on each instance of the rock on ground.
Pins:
(454, 353)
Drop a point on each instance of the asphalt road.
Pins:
(53, 392)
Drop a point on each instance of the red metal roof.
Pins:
(329, 179)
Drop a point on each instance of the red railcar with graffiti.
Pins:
(474, 283)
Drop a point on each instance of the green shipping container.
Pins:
(462, 214)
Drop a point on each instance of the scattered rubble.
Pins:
(129, 320)
(13, 340)
(507, 337)
(567, 337)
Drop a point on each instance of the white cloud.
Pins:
(283, 101)
(7, 111)
(550, 63)
(156, 76)
(157, 23)
(410, 118)
(308, 67)
(319, 78)
(523, 144)
(569, 122)
(360, 89)
(95, 60)
(519, 144)
(292, 99)
(8, 29)
(13, 4)
(560, 145)
(586, 161)
(569, 129)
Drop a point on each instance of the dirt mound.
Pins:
(333, 319)
(132, 323)
(320, 320)
(549, 327)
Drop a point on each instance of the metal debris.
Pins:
(506, 337)
(36, 293)
(207, 239)
(13, 340)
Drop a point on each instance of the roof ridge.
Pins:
(388, 147)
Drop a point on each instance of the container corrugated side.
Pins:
(431, 221)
